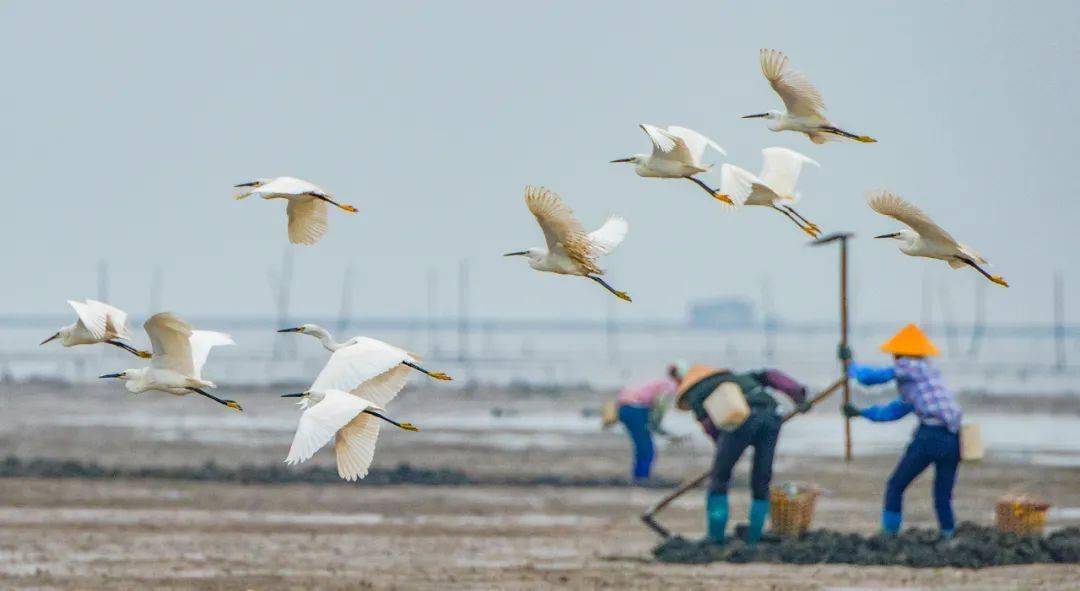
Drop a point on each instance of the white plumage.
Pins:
(96, 322)
(805, 107)
(179, 354)
(373, 347)
(773, 188)
(926, 238)
(677, 152)
(345, 403)
(570, 250)
(307, 208)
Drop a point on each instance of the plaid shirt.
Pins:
(921, 386)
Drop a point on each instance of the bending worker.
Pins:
(760, 429)
(641, 410)
(936, 440)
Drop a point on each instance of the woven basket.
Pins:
(790, 514)
(1022, 515)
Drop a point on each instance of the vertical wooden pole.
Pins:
(844, 343)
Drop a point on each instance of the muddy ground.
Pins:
(505, 530)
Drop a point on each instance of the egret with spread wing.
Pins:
(926, 238)
(345, 403)
(97, 322)
(179, 356)
(774, 187)
(570, 251)
(333, 346)
(307, 208)
(805, 107)
(676, 154)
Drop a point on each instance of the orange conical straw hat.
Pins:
(910, 341)
(695, 374)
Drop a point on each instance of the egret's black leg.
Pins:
(228, 403)
(794, 220)
(129, 349)
(438, 375)
(622, 295)
(714, 194)
(406, 426)
(808, 223)
(995, 278)
(344, 206)
(840, 132)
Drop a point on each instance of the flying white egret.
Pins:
(805, 108)
(327, 340)
(179, 356)
(97, 322)
(774, 187)
(926, 238)
(345, 403)
(307, 206)
(570, 251)
(676, 154)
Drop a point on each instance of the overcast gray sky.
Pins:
(125, 123)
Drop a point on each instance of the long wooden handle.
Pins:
(647, 516)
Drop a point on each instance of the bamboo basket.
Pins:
(792, 508)
(1022, 515)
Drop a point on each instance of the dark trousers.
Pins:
(930, 445)
(761, 430)
(636, 420)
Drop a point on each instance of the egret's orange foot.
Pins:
(144, 354)
(814, 233)
(348, 208)
(622, 295)
(234, 405)
(408, 426)
(866, 139)
(438, 375)
(999, 280)
(722, 197)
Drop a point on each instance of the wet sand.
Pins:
(137, 533)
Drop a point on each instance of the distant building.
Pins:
(722, 313)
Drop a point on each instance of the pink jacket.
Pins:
(646, 394)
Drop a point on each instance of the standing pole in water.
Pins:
(842, 237)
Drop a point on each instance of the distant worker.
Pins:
(641, 410)
(936, 440)
(759, 429)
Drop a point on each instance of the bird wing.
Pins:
(354, 446)
(321, 420)
(115, 319)
(781, 169)
(94, 318)
(611, 234)
(669, 145)
(695, 142)
(894, 206)
(201, 343)
(743, 186)
(287, 185)
(562, 231)
(170, 339)
(800, 97)
(307, 220)
(369, 368)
